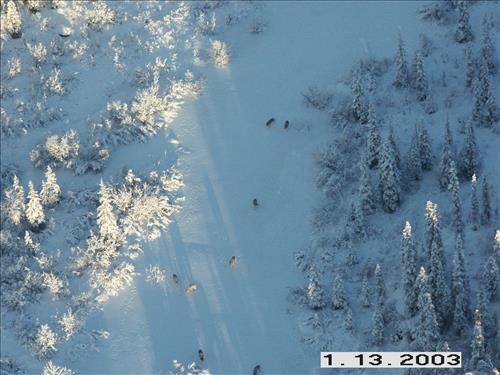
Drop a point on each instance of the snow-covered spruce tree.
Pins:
(366, 195)
(456, 204)
(34, 209)
(355, 222)
(487, 47)
(106, 219)
(379, 284)
(478, 350)
(496, 244)
(52, 369)
(378, 325)
(446, 158)
(413, 169)
(484, 112)
(45, 342)
(359, 105)
(373, 139)
(420, 80)
(470, 67)
(409, 269)
(428, 329)
(474, 210)
(421, 284)
(365, 291)
(389, 182)
(425, 149)
(460, 289)
(314, 291)
(394, 147)
(468, 155)
(14, 206)
(437, 282)
(338, 294)
(401, 79)
(490, 278)
(486, 202)
(219, 53)
(463, 33)
(51, 191)
(12, 20)
(432, 230)
(352, 258)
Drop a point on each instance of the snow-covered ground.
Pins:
(242, 316)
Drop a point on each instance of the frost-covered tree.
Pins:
(394, 147)
(355, 222)
(11, 21)
(478, 350)
(474, 210)
(470, 67)
(420, 80)
(425, 149)
(45, 342)
(413, 162)
(365, 291)
(437, 282)
(401, 79)
(446, 158)
(422, 284)
(14, 206)
(379, 284)
(389, 182)
(456, 204)
(409, 268)
(490, 278)
(428, 328)
(463, 33)
(484, 112)
(34, 209)
(373, 139)
(352, 259)
(52, 369)
(460, 288)
(219, 53)
(486, 202)
(359, 105)
(338, 295)
(378, 325)
(106, 219)
(487, 46)
(51, 191)
(366, 195)
(314, 291)
(469, 155)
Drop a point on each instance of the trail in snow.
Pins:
(239, 316)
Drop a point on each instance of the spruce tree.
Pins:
(379, 284)
(456, 204)
(421, 285)
(460, 288)
(365, 291)
(438, 285)
(352, 259)
(356, 222)
(469, 156)
(373, 141)
(425, 149)
(490, 278)
(487, 47)
(389, 184)
(14, 202)
(428, 331)
(359, 106)
(367, 198)
(463, 34)
(34, 209)
(378, 324)
(470, 67)
(478, 350)
(413, 161)
(338, 296)
(394, 147)
(409, 269)
(446, 158)
(442, 347)
(432, 230)
(420, 80)
(106, 220)
(474, 214)
(486, 202)
(484, 113)
(51, 191)
(314, 291)
(401, 79)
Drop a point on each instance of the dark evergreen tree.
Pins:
(365, 291)
(401, 79)
(355, 226)
(470, 67)
(460, 288)
(338, 297)
(486, 203)
(379, 284)
(468, 155)
(409, 269)
(428, 330)
(359, 105)
(456, 204)
(389, 183)
(425, 149)
(352, 259)
(487, 47)
(463, 34)
(420, 80)
(490, 278)
(314, 290)
(366, 195)
(484, 112)
(378, 326)
(446, 158)
(474, 214)
(413, 170)
(478, 351)
(394, 147)
(374, 141)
